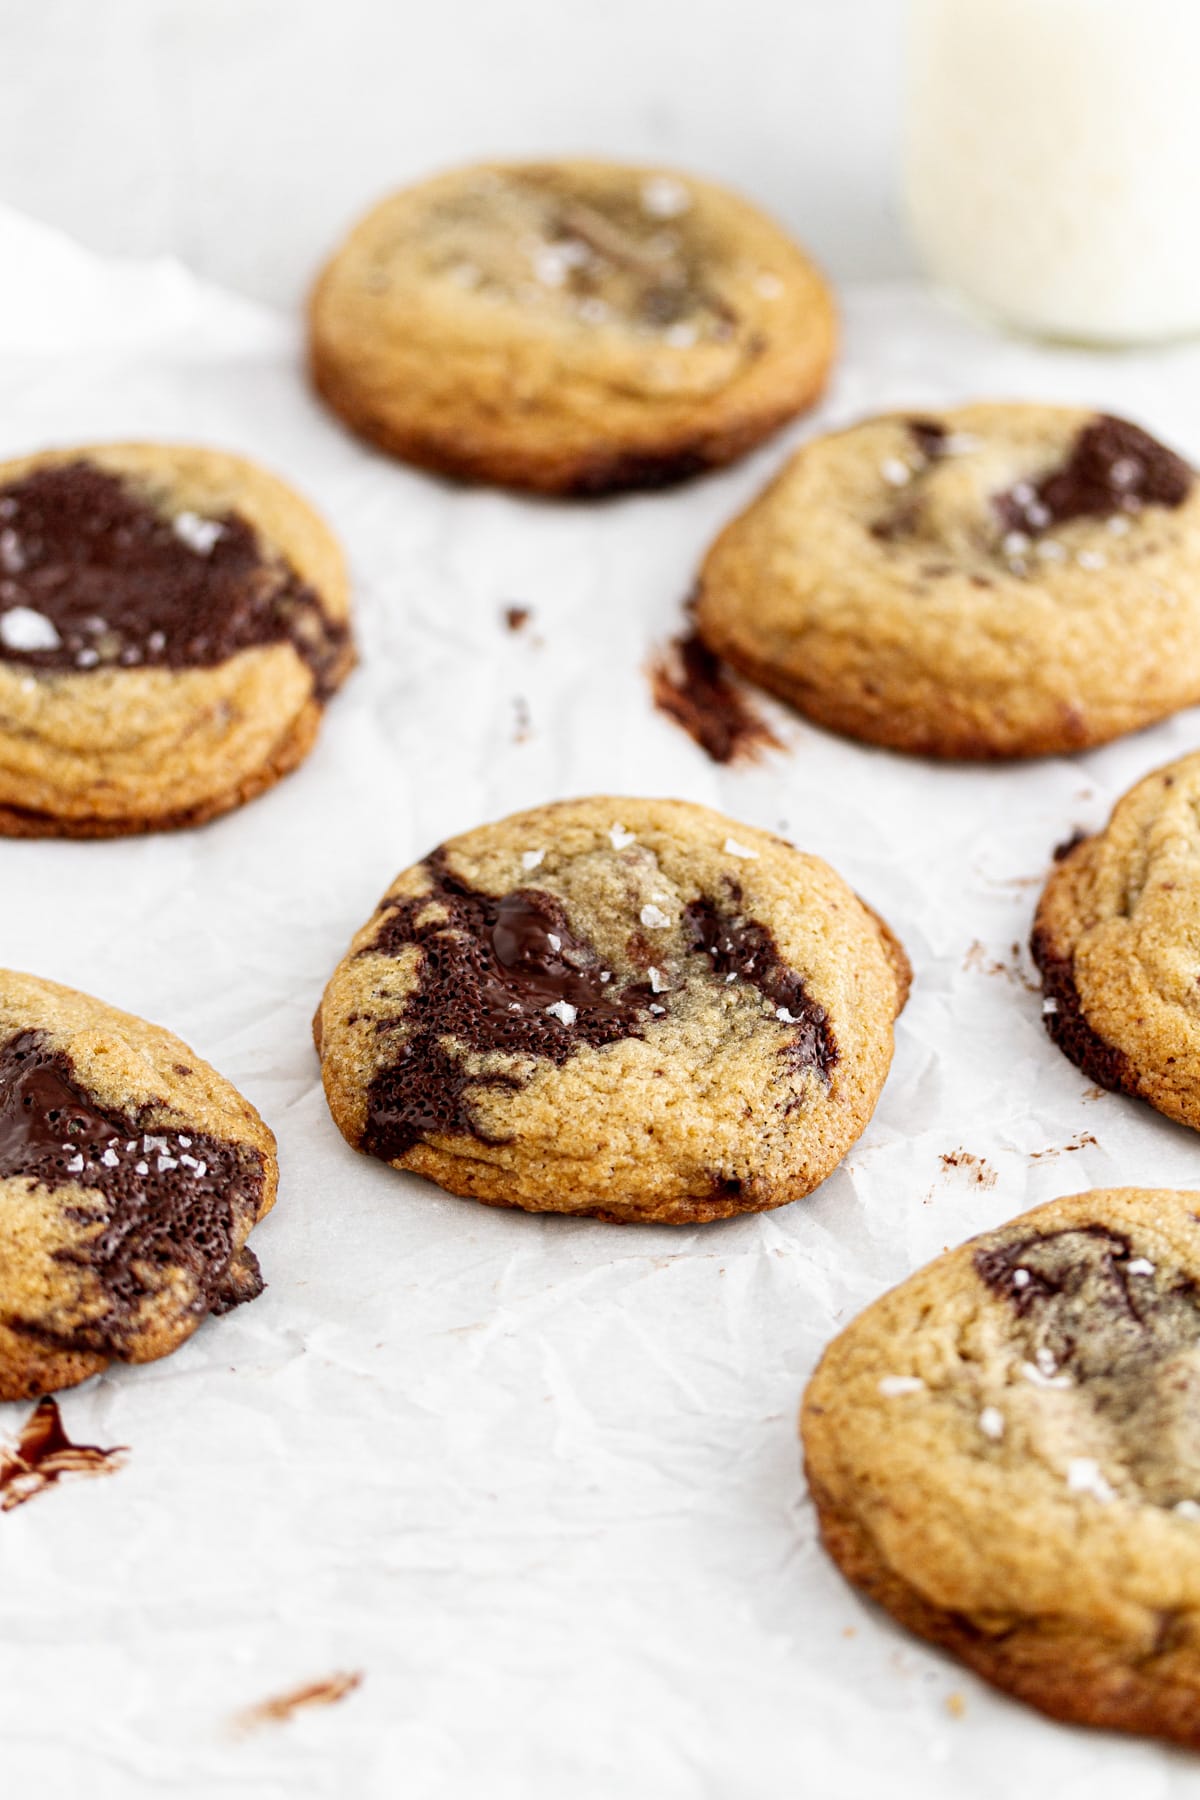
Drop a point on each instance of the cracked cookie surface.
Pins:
(569, 327)
(1004, 1452)
(172, 623)
(1117, 939)
(999, 580)
(131, 1174)
(636, 1009)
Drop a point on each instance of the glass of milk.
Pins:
(1053, 162)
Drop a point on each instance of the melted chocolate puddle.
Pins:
(508, 975)
(490, 970)
(94, 576)
(159, 1200)
(44, 1453)
(690, 686)
(1113, 467)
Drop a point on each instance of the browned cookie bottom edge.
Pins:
(21, 822)
(604, 469)
(1050, 1663)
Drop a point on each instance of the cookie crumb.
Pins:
(977, 1168)
(279, 1710)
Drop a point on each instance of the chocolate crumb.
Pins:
(44, 1453)
(517, 617)
(689, 684)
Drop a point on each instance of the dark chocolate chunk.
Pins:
(742, 947)
(115, 583)
(1113, 467)
(160, 1199)
(490, 970)
(1081, 1309)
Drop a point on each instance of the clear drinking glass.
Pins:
(1052, 161)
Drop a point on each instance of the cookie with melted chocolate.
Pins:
(1004, 1452)
(996, 581)
(571, 327)
(131, 1175)
(636, 1009)
(1115, 938)
(172, 624)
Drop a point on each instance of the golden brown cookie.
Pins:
(172, 622)
(631, 1008)
(1001, 580)
(130, 1177)
(1004, 1452)
(571, 327)
(1117, 938)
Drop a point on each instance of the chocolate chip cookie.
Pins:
(1004, 1452)
(172, 622)
(1117, 939)
(570, 327)
(130, 1177)
(630, 1008)
(1002, 580)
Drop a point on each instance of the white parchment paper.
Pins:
(538, 1480)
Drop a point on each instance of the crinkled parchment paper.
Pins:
(537, 1481)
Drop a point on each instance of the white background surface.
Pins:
(538, 1480)
(243, 135)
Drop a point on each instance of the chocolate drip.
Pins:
(1113, 467)
(114, 582)
(743, 947)
(490, 970)
(1081, 1309)
(160, 1200)
(44, 1453)
(693, 689)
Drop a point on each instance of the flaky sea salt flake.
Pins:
(991, 1423)
(1084, 1477)
(198, 534)
(653, 917)
(619, 838)
(892, 1386)
(23, 629)
(731, 847)
(664, 198)
(564, 1011)
(532, 859)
